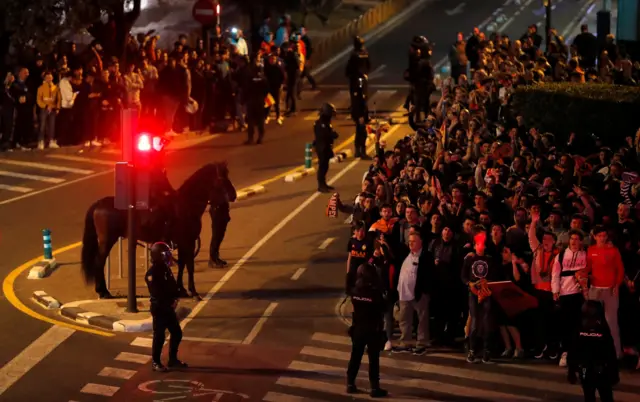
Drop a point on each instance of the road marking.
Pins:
(212, 340)
(113, 372)
(326, 243)
(510, 20)
(459, 9)
(377, 73)
(45, 179)
(298, 274)
(584, 11)
(340, 100)
(57, 186)
(142, 342)
(381, 96)
(33, 354)
(99, 389)
(278, 397)
(82, 159)
(256, 329)
(45, 166)
(15, 189)
(133, 358)
(232, 271)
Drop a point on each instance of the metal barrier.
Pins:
(120, 262)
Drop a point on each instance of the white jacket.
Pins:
(68, 97)
(567, 285)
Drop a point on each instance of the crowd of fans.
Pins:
(477, 196)
(72, 97)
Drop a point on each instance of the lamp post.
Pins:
(547, 23)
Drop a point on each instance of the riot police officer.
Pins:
(324, 136)
(163, 290)
(420, 76)
(360, 116)
(256, 90)
(220, 217)
(358, 67)
(367, 328)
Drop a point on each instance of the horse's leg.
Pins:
(181, 290)
(190, 261)
(104, 248)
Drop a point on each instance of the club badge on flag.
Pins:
(511, 298)
(269, 101)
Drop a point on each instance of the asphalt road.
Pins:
(303, 314)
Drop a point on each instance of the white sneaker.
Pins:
(95, 143)
(563, 360)
(387, 346)
(54, 144)
(280, 120)
(40, 145)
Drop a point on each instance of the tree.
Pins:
(42, 23)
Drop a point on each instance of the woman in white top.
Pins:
(566, 289)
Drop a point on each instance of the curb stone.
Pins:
(42, 269)
(99, 320)
(299, 175)
(42, 298)
(250, 192)
(340, 156)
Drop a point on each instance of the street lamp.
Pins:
(547, 23)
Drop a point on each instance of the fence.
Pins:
(120, 261)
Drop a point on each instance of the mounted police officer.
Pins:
(163, 290)
(360, 116)
(325, 135)
(420, 75)
(358, 68)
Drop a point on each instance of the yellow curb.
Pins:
(10, 294)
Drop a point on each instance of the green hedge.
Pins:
(611, 112)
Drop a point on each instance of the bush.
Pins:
(611, 112)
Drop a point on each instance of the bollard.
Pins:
(48, 251)
(119, 257)
(307, 156)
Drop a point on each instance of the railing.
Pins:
(120, 261)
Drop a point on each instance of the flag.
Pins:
(332, 206)
(511, 298)
(269, 101)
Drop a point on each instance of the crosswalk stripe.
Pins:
(99, 389)
(434, 386)
(34, 177)
(142, 342)
(340, 100)
(16, 189)
(45, 166)
(133, 358)
(114, 372)
(73, 158)
(524, 381)
(330, 388)
(279, 397)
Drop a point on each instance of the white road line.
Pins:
(99, 389)
(142, 342)
(510, 20)
(119, 373)
(298, 274)
(82, 159)
(380, 96)
(326, 243)
(258, 245)
(33, 354)
(133, 358)
(256, 328)
(15, 189)
(212, 340)
(340, 100)
(34, 177)
(279, 397)
(45, 166)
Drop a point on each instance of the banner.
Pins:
(511, 298)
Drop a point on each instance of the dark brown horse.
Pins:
(104, 225)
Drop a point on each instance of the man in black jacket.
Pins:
(414, 289)
(256, 90)
(325, 135)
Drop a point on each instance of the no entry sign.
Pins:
(206, 12)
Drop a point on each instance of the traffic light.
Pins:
(147, 149)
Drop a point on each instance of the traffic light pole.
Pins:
(547, 23)
(132, 303)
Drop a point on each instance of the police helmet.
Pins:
(161, 253)
(358, 43)
(327, 110)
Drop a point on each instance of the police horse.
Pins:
(104, 224)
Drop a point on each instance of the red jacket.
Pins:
(605, 266)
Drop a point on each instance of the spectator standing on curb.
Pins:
(306, 72)
(256, 90)
(48, 100)
(134, 85)
(24, 116)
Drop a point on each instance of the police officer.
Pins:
(220, 217)
(164, 299)
(324, 136)
(421, 76)
(367, 329)
(360, 116)
(592, 355)
(257, 90)
(358, 67)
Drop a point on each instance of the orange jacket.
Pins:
(605, 266)
(383, 226)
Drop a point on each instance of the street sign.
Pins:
(206, 12)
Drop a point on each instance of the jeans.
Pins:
(421, 306)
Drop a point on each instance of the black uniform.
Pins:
(592, 357)
(163, 289)
(324, 135)
(220, 217)
(366, 331)
(358, 67)
(422, 86)
(257, 90)
(360, 116)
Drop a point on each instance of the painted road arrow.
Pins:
(458, 10)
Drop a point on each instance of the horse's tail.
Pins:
(90, 247)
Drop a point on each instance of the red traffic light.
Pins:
(148, 143)
(217, 9)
